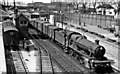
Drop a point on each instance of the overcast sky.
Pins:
(48, 1)
(29, 1)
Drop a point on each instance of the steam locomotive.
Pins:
(10, 35)
(88, 53)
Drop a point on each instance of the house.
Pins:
(105, 9)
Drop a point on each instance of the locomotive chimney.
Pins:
(97, 42)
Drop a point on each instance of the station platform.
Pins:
(2, 53)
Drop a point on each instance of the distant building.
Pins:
(105, 9)
(30, 4)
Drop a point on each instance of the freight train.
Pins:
(10, 35)
(88, 53)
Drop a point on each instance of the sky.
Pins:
(48, 1)
(29, 1)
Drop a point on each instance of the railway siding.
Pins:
(17, 62)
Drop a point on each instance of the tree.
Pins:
(76, 5)
(84, 6)
(69, 6)
(94, 5)
(118, 7)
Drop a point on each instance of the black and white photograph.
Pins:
(59, 36)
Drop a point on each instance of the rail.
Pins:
(43, 47)
(24, 65)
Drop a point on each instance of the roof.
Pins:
(2, 12)
(35, 13)
(107, 6)
(7, 23)
(53, 27)
(10, 12)
(26, 13)
(21, 14)
(10, 29)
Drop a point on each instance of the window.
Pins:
(100, 11)
(25, 22)
(110, 12)
(11, 33)
(21, 22)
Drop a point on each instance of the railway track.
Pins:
(19, 63)
(46, 64)
(61, 59)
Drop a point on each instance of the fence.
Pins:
(92, 19)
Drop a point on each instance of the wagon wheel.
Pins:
(66, 50)
(81, 60)
(70, 52)
(73, 54)
(76, 56)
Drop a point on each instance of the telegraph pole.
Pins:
(4, 2)
(7, 3)
(14, 6)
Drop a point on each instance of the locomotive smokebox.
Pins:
(97, 42)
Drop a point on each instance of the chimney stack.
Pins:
(97, 42)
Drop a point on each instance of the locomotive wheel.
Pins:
(90, 64)
(81, 60)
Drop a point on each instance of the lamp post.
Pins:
(62, 19)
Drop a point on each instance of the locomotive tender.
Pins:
(10, 35)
